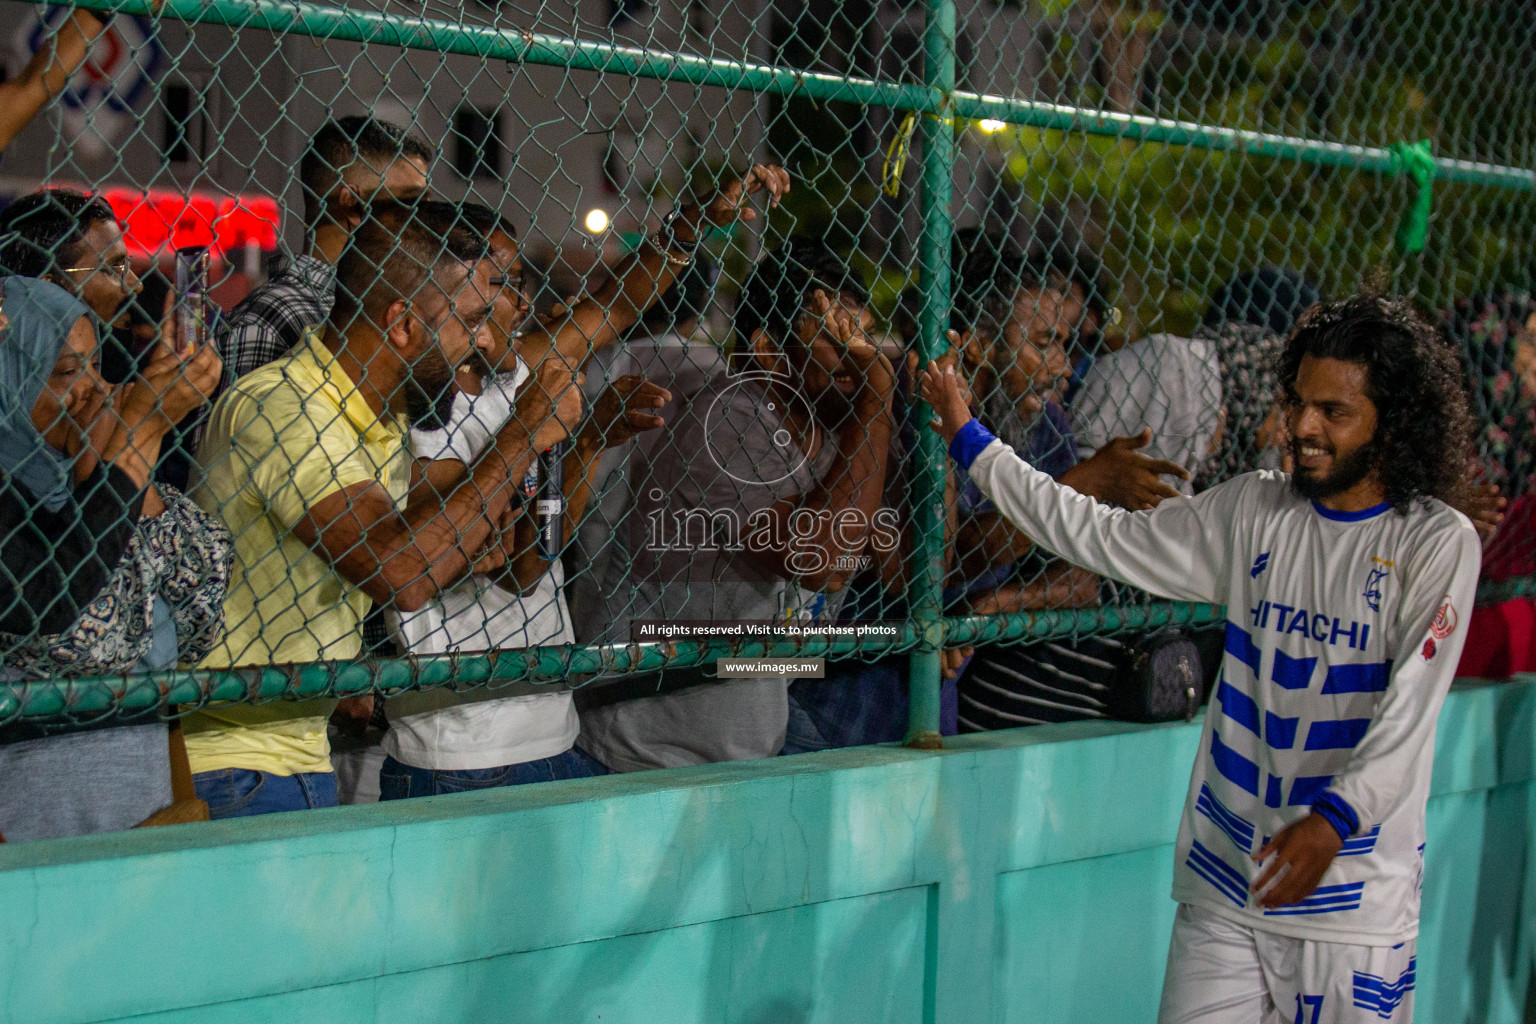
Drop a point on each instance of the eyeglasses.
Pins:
(119, 269)
(521, 282)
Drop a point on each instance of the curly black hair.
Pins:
(1423, 417)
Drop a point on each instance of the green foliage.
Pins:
(1177, 221)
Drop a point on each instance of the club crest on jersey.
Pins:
(1259, 565)
(1381, 568)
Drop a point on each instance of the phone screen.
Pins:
(191, 298)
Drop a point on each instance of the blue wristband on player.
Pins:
(970, 441)
(1337, 813)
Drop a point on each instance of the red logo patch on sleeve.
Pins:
(1429, 649)
(1445, 620)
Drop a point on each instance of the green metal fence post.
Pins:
(927, 496)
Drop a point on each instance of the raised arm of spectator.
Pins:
(1119, 474)
(46, 74)
(406, 558)
(893, 564)
(841, 506)
(169, 388)
(1061, 585)
(598, 320)
(622, 411)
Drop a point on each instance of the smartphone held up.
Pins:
(192, 314)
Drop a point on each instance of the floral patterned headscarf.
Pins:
(1497, 334)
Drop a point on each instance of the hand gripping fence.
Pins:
(1066, 185)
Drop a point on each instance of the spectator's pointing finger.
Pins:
(1162, 467)
(1141, 440)
(641, 421)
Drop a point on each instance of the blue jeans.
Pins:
(240, 792)
(858, 704)
(399, 781)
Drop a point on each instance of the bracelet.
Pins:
(671, 257)
(668, 240)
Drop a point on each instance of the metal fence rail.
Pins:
(938, 96)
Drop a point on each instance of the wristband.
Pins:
(970, 441)
(1332, 808)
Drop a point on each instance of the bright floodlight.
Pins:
(596, 222)
(990, 125)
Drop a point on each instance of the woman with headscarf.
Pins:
(1247, 324)
(101, 573)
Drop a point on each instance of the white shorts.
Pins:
(1220, 972)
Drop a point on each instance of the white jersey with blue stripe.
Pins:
(1343, 634)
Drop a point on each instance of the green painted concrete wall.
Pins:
(1018, 876)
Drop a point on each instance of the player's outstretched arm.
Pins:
(1179, 550)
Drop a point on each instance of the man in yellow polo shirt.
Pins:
(305, 461)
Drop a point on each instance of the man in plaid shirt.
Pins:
(350, 162)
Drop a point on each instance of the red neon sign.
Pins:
(156, 221)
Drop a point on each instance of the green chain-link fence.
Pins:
(1117, 205)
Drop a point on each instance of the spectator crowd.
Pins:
(370, 451)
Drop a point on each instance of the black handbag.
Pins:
(1160, 679)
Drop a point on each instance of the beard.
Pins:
(828, 405)
(1347, 471)
(1000, 412)
(430, 391)
(832, 408)
(478, 364)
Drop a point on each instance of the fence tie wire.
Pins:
(1415, 160)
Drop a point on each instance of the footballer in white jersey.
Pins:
(1348, 585)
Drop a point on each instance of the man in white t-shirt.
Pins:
(1300, 857)
(443, 741)
(1166, 384)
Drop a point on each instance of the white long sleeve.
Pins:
(1181, 549)
(1393, 759)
